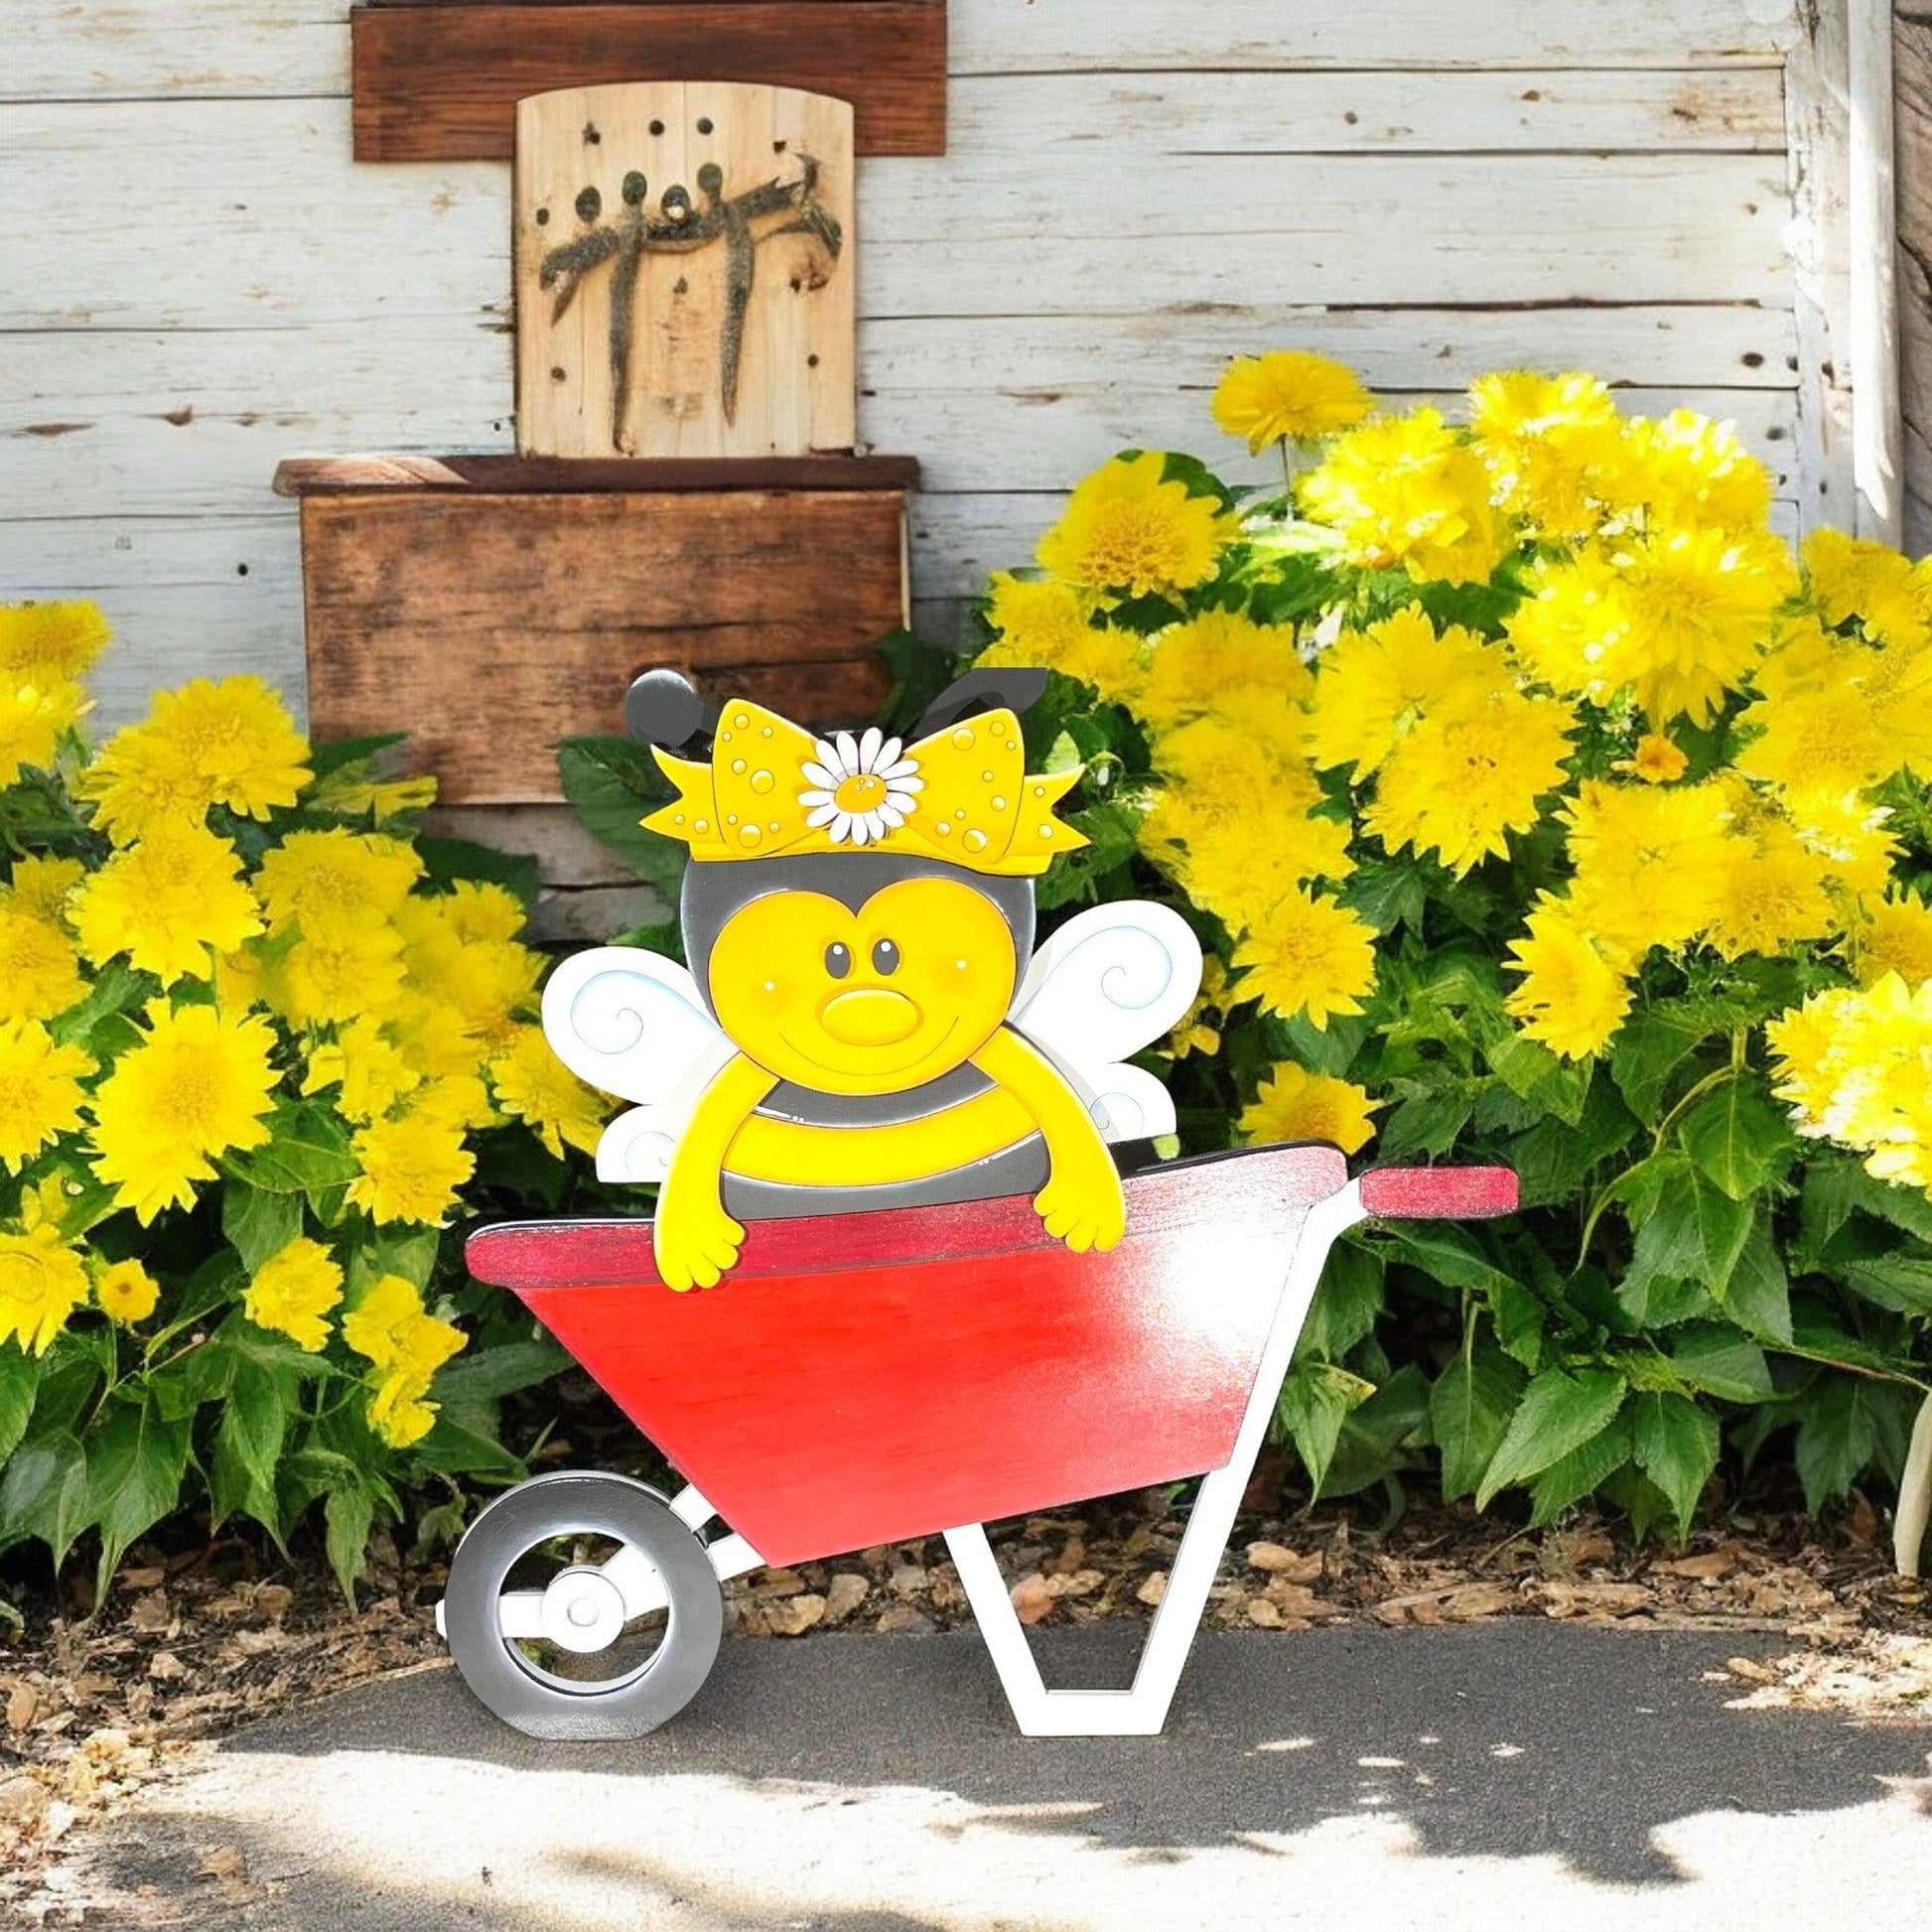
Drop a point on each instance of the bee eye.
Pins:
(838, 959)
(885, 957)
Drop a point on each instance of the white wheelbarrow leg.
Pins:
(1142, 1711)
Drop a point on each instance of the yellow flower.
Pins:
(343, 971)
(1772, 893)
(1836, 716)
(1650, 861)
(482, 914)
(1372, 685)
(1853, 579)
(532, 1085)
(1038, 622)
(1309, 955)
(40, 971)
(1547, 442)
(1851, 836)
(166, 901)
(1128, 532)
(42, 1281)
(1467, 778)
(1851, 1066)
(324, 881)
(42, 883)
(1408, 493)
(1656, 759)
(407, 1345)
(1894, 935)
(127, 1292)
(478, 982)
(1287, 394)
(355, 795)
(294, 1290)
(198, 1085)
(1293, 1104)
(1684, 471)
(142, 782)
(1210, 665)
(374, 1069)
(411, 1167)
(51, 643)
(32, 719)
(1573, 992)
(1241, 871)
(1193, 1034)
(40, 1089)
(239, 738)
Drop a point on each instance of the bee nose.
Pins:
(870, 1015)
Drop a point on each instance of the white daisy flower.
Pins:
(859, 790)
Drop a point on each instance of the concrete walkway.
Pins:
(1503, 1776)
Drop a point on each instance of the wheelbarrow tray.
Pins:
(863, 1379)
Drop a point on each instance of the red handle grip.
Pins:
(1439, 1194)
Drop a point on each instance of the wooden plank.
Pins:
(497, 624)
(116, 50)
(1913, 95)
(738, 344)
(322, 476)
(188, 597)
(442, 83)
(1264, 111)
(1013, 233)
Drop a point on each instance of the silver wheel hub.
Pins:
(583, 1609)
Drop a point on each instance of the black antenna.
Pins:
(1014, 688)
(660, 708)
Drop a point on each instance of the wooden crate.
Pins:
(491, 606)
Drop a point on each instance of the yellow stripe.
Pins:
(868, 1156)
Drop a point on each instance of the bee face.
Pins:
(874, 1001)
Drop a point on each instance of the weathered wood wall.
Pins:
(197, 281)
(1912, 70)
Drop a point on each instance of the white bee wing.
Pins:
(631, 1023)
(1108, 982)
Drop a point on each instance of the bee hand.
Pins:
(695, 1240)
(1083, 1202)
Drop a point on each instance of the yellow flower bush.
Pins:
(1534, 801)
(259, 1046)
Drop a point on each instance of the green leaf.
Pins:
(1520, 1317)
(1899, 1282)
(43, 1492)
(135, 1462)
(1112, 832)
(1580, 1471)
(1386, 896)
(1738, 1137)
(20, 1381)
(342, 753)
(307, 1152)
(1676, 1446)
(1468, 1412)
(1838, 1434)
(1694, 1230)
(1758, 1293)
(445, 862)
(1560, 1412)
(1646, 1051)
(1373, 1432)
(614, 783)
(1716, 1360)
(1660, 1303)
(1426, 1123)
(1314, 1400)
(254, 1422)
(258, 1223)
(1535, 1074)
(921, 670)
(348, 1514)
(1446, 1254)
(1346, 1305)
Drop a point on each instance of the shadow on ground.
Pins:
(1506, 1739)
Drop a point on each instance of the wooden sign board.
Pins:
(684, 271)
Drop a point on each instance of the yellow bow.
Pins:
(962, 795)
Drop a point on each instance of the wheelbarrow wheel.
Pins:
(650, 1614)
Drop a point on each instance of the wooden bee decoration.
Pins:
(865, 1023)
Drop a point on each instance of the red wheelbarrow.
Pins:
(868, 1378)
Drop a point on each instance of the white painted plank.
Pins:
(249, 214)
(977, 440)
(189, 597)
(131, 422)
(128, 49)
(1375, 111)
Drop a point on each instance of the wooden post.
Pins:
(1913, 75)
